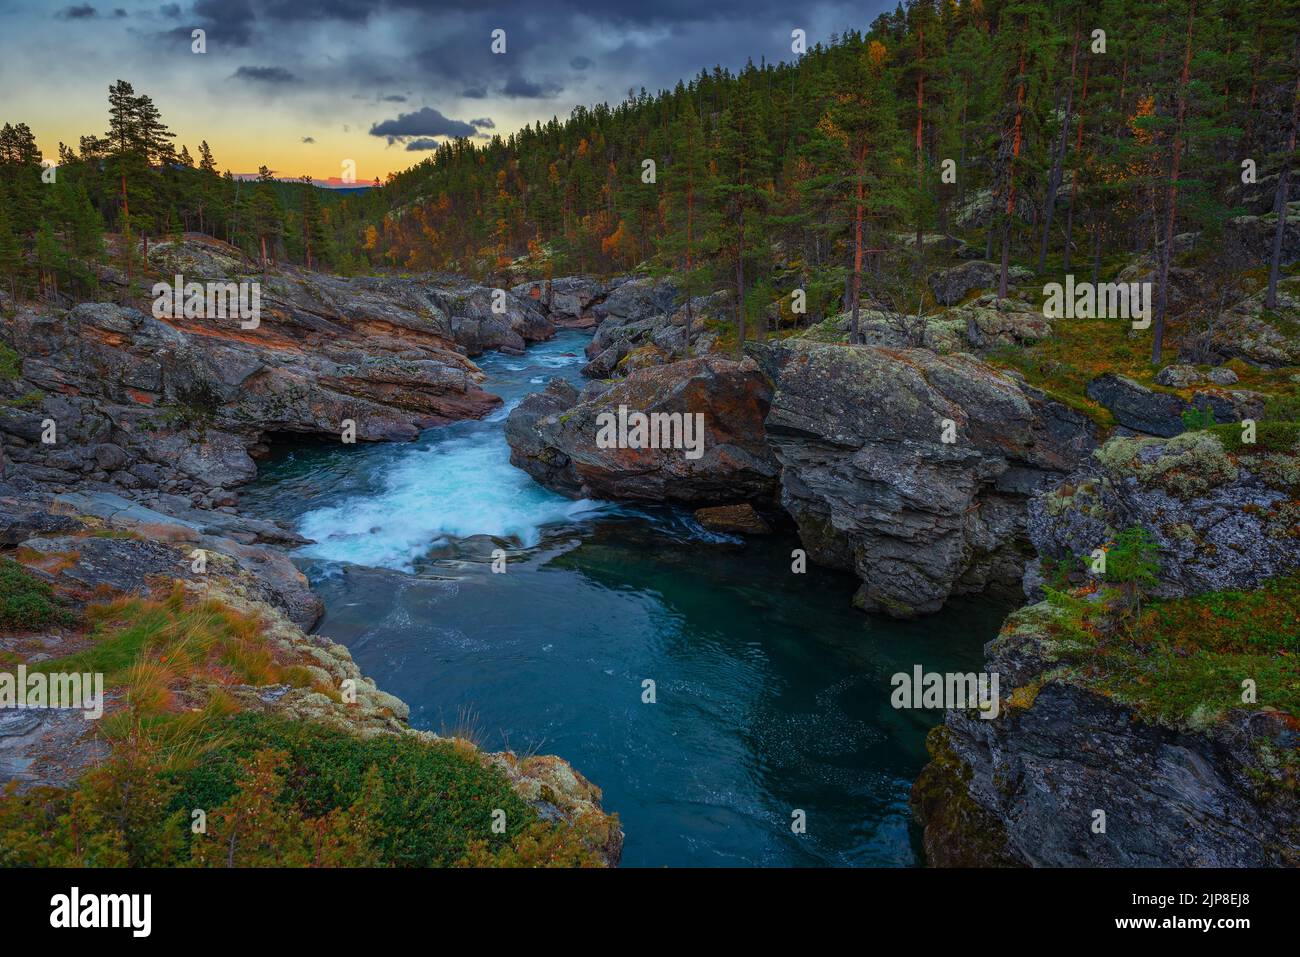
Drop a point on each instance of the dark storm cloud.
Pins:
(264, 74)
(229, 22)
(309, 139)
(421, 144)
(425, 122)
(519, 88)
(483, 123)
(83, 12)
(559, 52)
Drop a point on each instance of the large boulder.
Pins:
(571, 302)
(875, 489)
(556, 436)
(1141, 409)
(950, 286)
(1137, 407)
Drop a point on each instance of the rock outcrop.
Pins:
(571, 302)
(145, 406)
(980, 325)
(950, 286)
(1152, 412)
(645, 324)
(874, 487)
(1223, 514)
(1024, 788)
(555, 436)
(1143, 719)
(1257, 335)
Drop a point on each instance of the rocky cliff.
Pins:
(1177, 724)
(913, 469)
(180, 407)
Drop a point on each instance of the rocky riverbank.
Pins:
(124, 438)
(1179, 727)
(1168, 741)
(940, 455)
(103, 558)
(163, 410)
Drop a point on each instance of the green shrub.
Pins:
(1198, 418)
(287, 793)
(11, 364)
(1133, 566)
(437, 797)
(1282, 408)
(26, 602)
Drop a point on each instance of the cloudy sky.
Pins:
(303, 85)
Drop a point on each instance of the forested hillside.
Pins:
(1047, 132)
(1066, 143)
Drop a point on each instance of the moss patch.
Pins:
(959, 832)
(1184, 662)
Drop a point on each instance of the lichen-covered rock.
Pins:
(875, 489)
(1178, 376)
(989, 323)
(1223, 514)
(1257, 335)
(983, 324)
(950, 286)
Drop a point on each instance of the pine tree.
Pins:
(742, 159)
(859, 130)
(11, 254)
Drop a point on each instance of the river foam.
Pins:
(455, 483)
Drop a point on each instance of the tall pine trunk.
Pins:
(857, 245)
(740, 284)
(1166, 253)
(1011, 178)
(1058, 160)
(1275, 261)
(920, 148)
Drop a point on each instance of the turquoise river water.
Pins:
(772, 691)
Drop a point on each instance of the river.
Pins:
(772, 692)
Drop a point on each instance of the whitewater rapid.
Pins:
(454, 483)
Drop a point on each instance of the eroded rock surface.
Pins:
(873, 487)
(145, 406)
(1022, 789)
